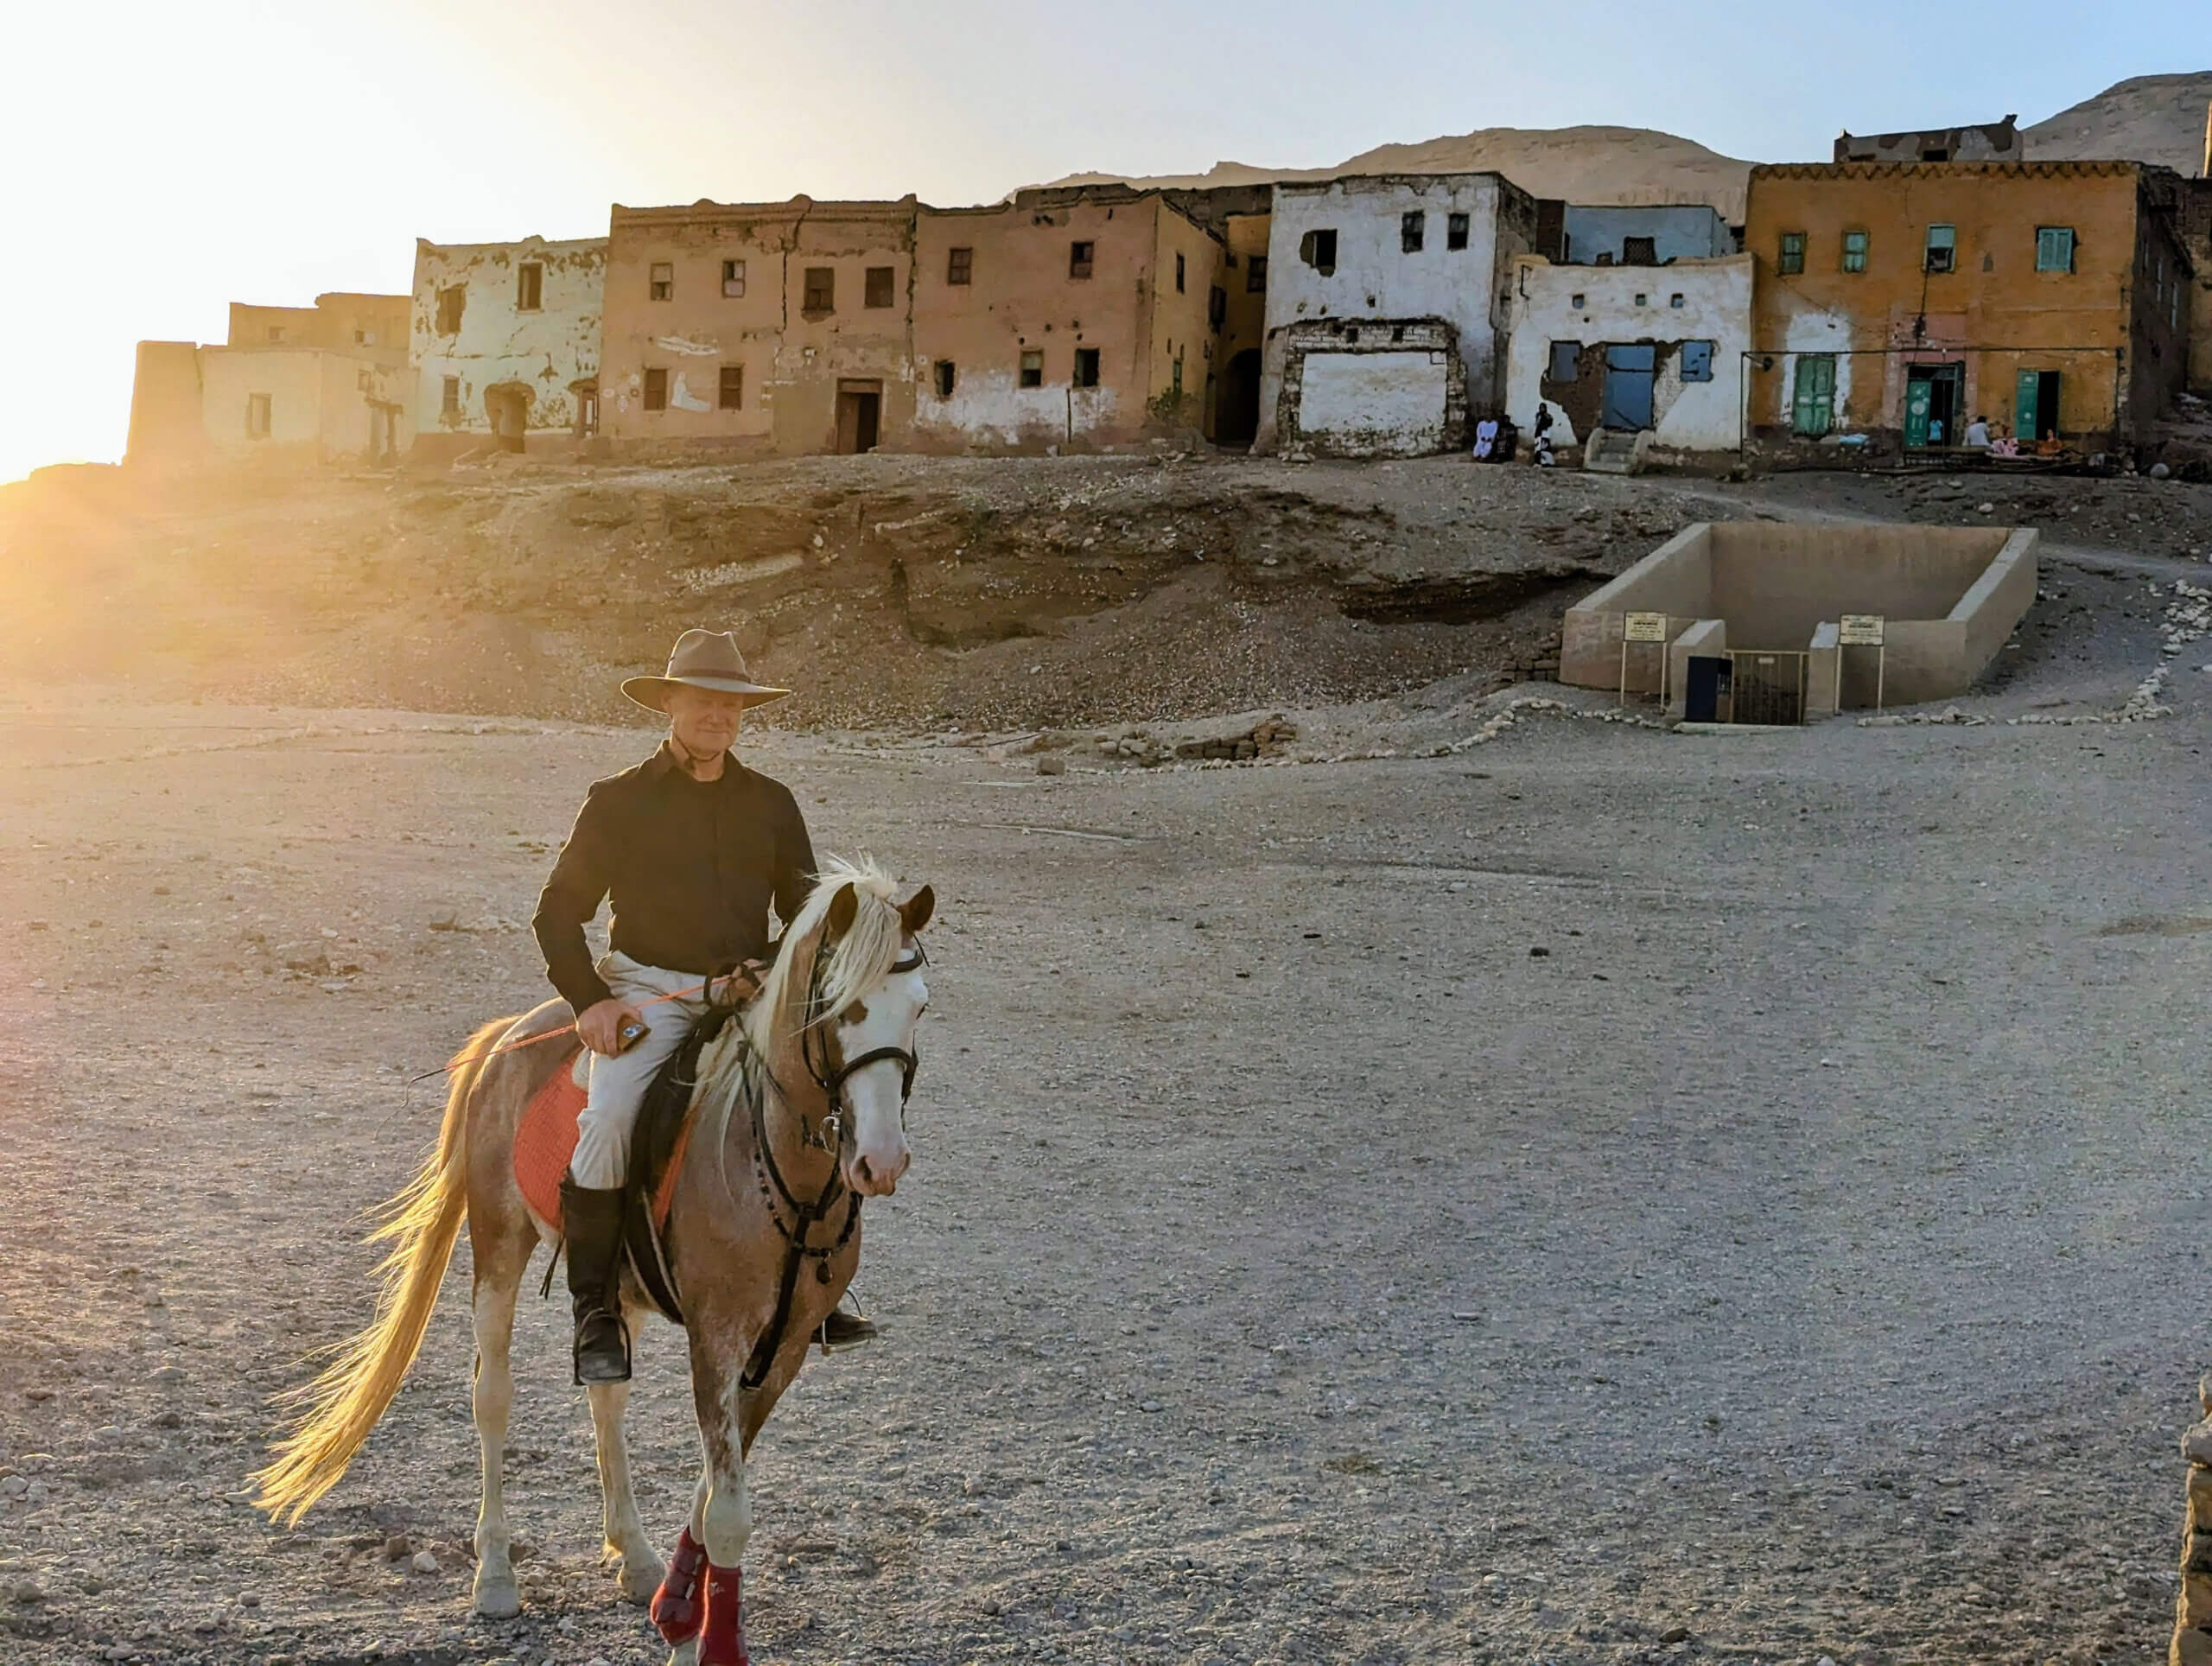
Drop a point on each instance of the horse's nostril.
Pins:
(860, 1170)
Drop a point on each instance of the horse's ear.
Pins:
(917, 909)
(843, 908)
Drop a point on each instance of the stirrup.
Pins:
(842, 1330)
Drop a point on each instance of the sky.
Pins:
(158, 161)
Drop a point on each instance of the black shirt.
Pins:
(692, 866)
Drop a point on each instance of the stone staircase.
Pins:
(1609, 451)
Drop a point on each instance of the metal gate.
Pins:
(1767, 686)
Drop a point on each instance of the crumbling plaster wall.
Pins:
(1371, 388)
(549, 350)
(1375, 277)
(1678, 232)
(791, 358)
(1715, 306)
(1023, 297)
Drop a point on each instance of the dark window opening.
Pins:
(1413, 232)
(945, 376)
(1942, 248)
(1455, 231)
(660, 280)
(276, 333)
(450, 405)
(821, 295)
(530, 286)
(257, 416)
(656, 389)
(1079, 256)
(960, 266)
(877, 292)
(1318, 249)
(1086, 367)
(1566, 362)
(732, 397)
(733, 279)
(1032, 369)
(1216, 306)
(1178, 275)
(450, 303)
(1256, 275)
(1639, 252)
(1937, 153)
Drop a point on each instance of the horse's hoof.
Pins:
(685, 1653)
(641, 1577)
(497, 1599)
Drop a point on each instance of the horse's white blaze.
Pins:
(875, 1093)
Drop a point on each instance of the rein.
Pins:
(799, 1247)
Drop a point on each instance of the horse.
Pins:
(808, 1088)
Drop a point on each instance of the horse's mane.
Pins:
(733, 1067)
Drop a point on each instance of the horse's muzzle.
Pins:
(874, 1178)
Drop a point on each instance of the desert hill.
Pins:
(2157, 118)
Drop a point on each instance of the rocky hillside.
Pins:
(1635, 165)
(2159, 119)
(2156, 118)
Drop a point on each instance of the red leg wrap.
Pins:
(721, 1635)
(680, 1605)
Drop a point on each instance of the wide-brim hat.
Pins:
(701, 659)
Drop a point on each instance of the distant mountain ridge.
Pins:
(2155, 119)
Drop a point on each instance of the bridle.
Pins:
(830, 1076)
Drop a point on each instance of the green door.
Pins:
(1919, 395)
(1812, 407)
(2023, 407)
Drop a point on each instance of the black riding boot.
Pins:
(843, 1330)
(592, 1222)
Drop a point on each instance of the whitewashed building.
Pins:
(1386, 311)
(504, 340)
(1632, 349)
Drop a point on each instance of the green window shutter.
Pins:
(1791, 259)
(2023, 408)
(1854, 251)
(2054, 248)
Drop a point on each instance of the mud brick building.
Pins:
(1386, 311)
(1632, 350)
(505, 340)
(1895, 301)
(1080, 319)
(1981, 142)
(292, 386)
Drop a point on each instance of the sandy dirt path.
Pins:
(1603, 1197)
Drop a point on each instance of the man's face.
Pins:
(704, 720)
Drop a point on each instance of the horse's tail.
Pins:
(343, 1404)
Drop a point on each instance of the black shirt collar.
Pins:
(662, 764)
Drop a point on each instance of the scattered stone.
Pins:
(1539, 952)
(398, 1547)
(38, 1396)
(1052, 764)
(424, 1563)
(1675, 1634)
(26, 1591)
(169, 1376)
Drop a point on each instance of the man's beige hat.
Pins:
(703, 659)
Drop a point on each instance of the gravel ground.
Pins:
(1599, 1197)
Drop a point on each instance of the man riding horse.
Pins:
(692, 846)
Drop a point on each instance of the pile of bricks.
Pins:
(1262, 740)
(2192, 1644)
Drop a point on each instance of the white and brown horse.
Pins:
(800, 1111)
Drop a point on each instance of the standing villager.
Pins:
(692, 848)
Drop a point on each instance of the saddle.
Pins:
(546, 1139)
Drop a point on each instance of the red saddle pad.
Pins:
(547, 1138)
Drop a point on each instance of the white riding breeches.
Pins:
(619, 1080)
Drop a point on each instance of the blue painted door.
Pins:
(1627, 387)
